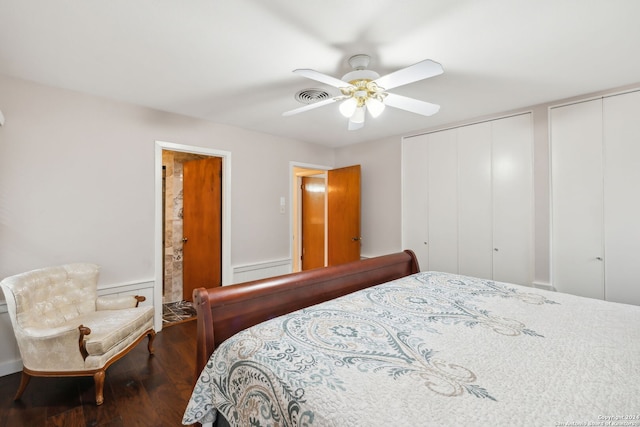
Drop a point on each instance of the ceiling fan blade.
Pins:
(322, 78)
(312, 106)
(411, 104)
(355, 126)
(420, 71)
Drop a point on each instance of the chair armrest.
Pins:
(82, 345)
(51, 349)
(50, 333)
(117, 302)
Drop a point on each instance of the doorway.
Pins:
(182, 188)
(325, 216)
(169, 258)
(299, 173)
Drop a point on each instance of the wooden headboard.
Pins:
(226, 310)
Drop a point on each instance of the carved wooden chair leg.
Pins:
(24, 381)
(98, 379)
(152, 336)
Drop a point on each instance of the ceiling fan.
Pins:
(364, 90)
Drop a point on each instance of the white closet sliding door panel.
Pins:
(512, 170)
(443, 201)
(475, 232)
(622, 198)
(414, 197)
(472, 188)
(577, 199)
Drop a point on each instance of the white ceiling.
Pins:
(231, 61)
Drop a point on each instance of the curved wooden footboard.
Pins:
(226, 310)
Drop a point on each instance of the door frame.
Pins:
(296, 211)
(227, 274)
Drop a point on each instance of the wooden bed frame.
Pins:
(226, 310)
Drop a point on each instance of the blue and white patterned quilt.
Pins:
(430, 349)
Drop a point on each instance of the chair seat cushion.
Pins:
(110, 327)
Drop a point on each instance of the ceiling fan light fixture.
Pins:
(375, 106)
(348, 107)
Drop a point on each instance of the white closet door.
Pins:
(414, 197)
(512, 168)
(475, 232)
(443, 206)
(577, 199)
(622, 198)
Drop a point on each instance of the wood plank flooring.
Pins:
(139, 390)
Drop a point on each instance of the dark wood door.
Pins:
(343, 215)
(313, 224)
(202, 224)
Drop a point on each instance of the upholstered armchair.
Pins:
(64, 329)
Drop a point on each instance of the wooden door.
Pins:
(343, 215)
(202, 224)
(313, 224)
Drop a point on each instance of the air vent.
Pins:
(309, 96)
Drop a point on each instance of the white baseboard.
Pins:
(130, 288)
(10, 361)
(8, 367)
(144, 289)
(261, 270)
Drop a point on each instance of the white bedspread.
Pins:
(432, 349)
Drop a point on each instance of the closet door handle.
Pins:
(599, 258)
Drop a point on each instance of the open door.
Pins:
(343, 215)
(202, 224)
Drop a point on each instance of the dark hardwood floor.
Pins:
(139, 390)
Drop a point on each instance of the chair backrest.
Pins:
(50, 296)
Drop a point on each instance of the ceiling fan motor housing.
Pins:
(360, 61)
(356, 75)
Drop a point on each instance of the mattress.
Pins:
(431, 349)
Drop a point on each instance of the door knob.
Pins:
(355, 239)
(184, 240)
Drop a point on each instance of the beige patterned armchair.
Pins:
(64, 329)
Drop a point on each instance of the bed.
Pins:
(377, 342)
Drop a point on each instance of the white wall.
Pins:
(380, 193)
(77, 184)
(77, 181)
